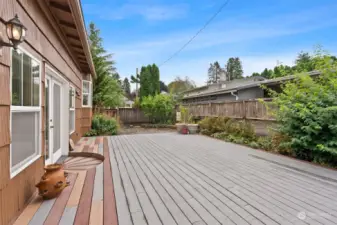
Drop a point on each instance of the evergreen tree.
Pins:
(149, 81)
(234, 69)
(126, 87)
(107, 91)
(255, 74)
(210, 79)
(238, 70)
(214, 73)
(163, 87)
(304, 62)
(267, 73)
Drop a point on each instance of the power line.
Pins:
(199, 31)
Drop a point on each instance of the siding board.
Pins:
(4, 85)
(4, 166)
(4, 128)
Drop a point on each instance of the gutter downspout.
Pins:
(236, 96)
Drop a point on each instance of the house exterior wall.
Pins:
(44, 44)
(244, 94)
(224, 97)
(250, 93)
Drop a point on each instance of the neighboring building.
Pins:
(127, 103)
(45, 94)
(239, 89)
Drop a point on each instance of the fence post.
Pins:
(244, 113)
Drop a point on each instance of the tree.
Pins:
(163, 87)
(304, 62)
(117, 78)
(107, 91)
(214, 73)
(136, 80)
(126, 87)
(180, 85)
(268, 74)
(255, 74)
(234, 69)
(277, 71)
(149, 81)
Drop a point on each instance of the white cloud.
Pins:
(231, 37)
(151, 12)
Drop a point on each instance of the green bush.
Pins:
(265, 143)
(224, 126)
(103, 125)
(211, 125)
(307, 113)
(160, 108)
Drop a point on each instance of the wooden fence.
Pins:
(132, 116)
(126, 115)
(249, 109)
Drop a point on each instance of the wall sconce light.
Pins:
(16, 33)
(77, 93)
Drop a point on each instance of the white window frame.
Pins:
(16, 109)
(89, 93)
(73, 107)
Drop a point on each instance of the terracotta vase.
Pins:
(52, 182)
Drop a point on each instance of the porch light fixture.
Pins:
(16, 33)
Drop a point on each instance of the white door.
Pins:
(53, 119)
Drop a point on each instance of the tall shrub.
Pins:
(160, 108)
(307, 113)
(149, 81)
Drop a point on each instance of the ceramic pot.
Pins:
(52, 182)
(180, 126)
(193, 128)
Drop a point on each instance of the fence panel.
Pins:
(132, 116)
(251, 109)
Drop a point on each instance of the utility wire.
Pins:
(199, 31)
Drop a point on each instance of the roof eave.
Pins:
(76, 9)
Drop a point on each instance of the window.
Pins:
(71, 109)
(25, 111)
(86, 93)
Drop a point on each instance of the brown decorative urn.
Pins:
(52, 182)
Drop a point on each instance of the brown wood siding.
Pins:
(19, 191)
(86, 120)
(41, 34)
(4, 165)
(4, 85)
(43, 43)
(4, 127)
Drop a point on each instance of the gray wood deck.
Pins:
(184, 179)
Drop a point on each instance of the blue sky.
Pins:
(260, 32)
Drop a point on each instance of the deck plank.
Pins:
(68, 215)
(29, 212)
(75, 195)
(123, 212)
(56, 212)
(158, 204)
(96, 213)
(83, 211)
(109, 202)
(142, 196)
(42, 213)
